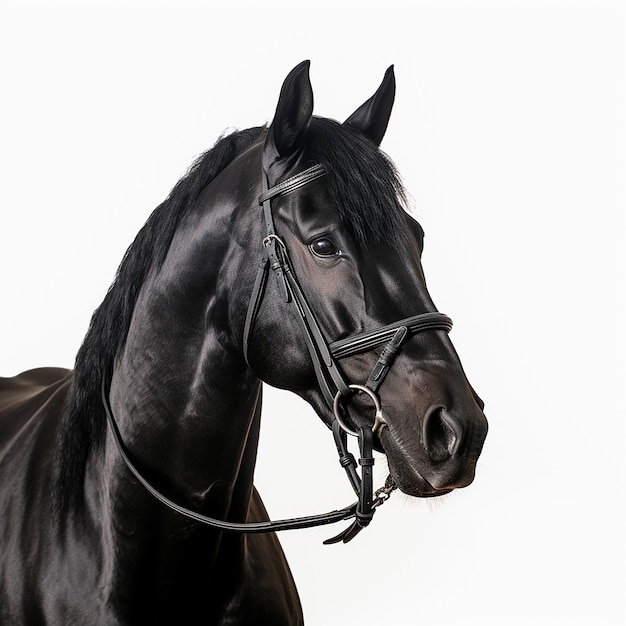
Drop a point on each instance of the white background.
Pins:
(509, 132)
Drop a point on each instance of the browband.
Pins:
(293, 183)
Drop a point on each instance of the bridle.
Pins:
(335, 390)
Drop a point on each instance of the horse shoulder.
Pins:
(267, 593)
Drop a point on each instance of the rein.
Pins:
(247, 527)
(324, 356)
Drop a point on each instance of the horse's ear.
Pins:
(372, 117)
(285, 137)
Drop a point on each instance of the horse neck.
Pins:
(187, 405)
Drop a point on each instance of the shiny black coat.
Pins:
(82, 541)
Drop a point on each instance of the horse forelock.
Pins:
(363, 184)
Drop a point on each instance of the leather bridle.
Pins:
(335, 390)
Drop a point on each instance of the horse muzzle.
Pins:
(442, 458)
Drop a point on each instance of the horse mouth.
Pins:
(416, 485)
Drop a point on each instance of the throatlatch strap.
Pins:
(253, 307)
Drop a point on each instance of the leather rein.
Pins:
(325, 357)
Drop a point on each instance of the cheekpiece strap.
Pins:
(288, 286)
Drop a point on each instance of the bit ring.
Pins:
(379, 420)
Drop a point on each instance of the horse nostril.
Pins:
(442, 435)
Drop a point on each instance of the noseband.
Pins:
(335, 390)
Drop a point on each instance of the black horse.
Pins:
(285, 256)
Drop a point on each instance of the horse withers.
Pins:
(284, 256)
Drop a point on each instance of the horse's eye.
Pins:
(324, 248)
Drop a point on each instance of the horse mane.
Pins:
(83, 427)
(364, 187)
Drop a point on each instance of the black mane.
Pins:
(84, 425)
(363, 185)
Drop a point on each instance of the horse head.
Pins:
(354, 254)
